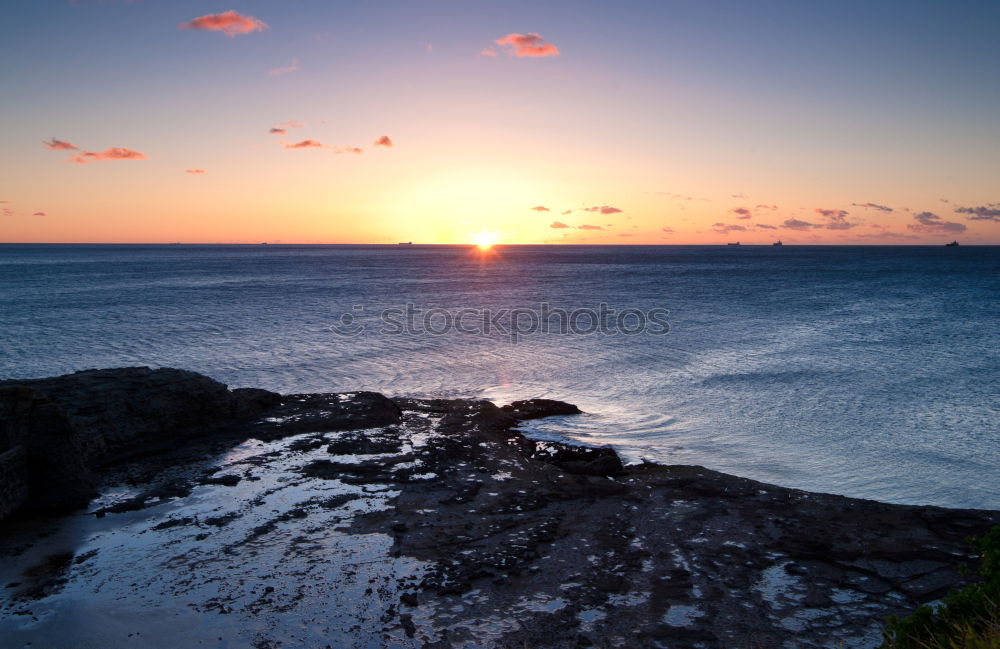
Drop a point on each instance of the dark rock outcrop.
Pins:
(301, 413)
(67, 425)
(437, 524)
(677, 556)
(581, 460)
(13, 480)
(481, 415)
(538, 408)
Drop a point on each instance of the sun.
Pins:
(484, 239)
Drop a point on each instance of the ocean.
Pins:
(864, 371)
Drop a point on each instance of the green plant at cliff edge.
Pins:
(968, 618)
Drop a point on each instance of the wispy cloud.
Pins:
(540, 208)
(589, 227)
(530, 45)
(723, 228)
(304, 144)
(765, 226)
(487, 51)
(284, 127)
(194, 171)
(53, 144)
(114, 153)
(797, 224)
(675, 195)
(873, 206)
(603, 209)
(277, 72)
(741, 212)
(766, 207)
(932, 223)
(668, 230)
(229, 23)
(383, 140)
(346, 149)
(558, 225)
(885, 235)
(39, 214)
(988, 212)
(837, 219)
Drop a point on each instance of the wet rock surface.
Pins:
(327, 412)
(538, 408)
(353, 520)
(66, 425)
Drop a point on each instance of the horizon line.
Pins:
(471, 245)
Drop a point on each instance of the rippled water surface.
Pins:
(866, 371)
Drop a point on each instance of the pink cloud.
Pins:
(383, 140)
(742, 212)
(766, 207)
(488, 52)
(194, 171)
(558, 225)
(114, 153)
(39, 214)
(53, 144)
(278, 131)
(603, 209)
(540, 208)
(348, 149)
(304, 144)
(590, 227)
(275, 72)
(229, 23)
(669, 230)
(531, 44)
(564, 212)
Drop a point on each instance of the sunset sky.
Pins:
(578, 121)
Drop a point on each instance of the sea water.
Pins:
(865, 371)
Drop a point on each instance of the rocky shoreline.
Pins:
(235, 518)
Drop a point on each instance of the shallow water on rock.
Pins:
(222, 567)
